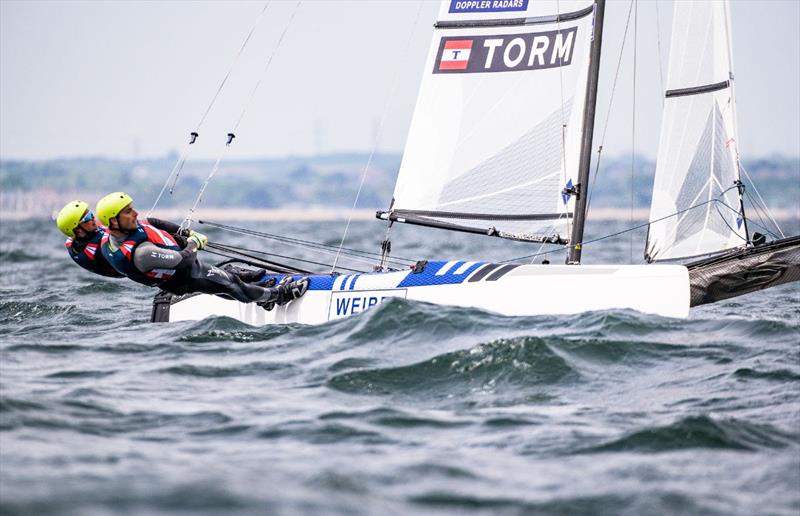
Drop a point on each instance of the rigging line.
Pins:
(762, 223)
(298, 241)
(235, 60)
(355, 256)
(379, 134)
(193, 136)
(633, 120)
(761, 215)
(610, 104)
(658, 43)
(242, 250)
(323, 251)
(563, 123)
(735, 232)
(352, 256)
(267, 65)
(766, 208)
(187, 222)
(640, 226)
(267, 264)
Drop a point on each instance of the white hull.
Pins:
(525, 290)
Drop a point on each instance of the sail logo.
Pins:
(506, 52)
(487, 6)
(455, 55)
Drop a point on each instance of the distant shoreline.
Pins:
(334, 214)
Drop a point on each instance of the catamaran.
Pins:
(500, 144)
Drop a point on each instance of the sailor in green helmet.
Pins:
(83, 238)
(152, 256)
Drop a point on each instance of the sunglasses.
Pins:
(87, 218)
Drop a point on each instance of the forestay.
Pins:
(697, 157)
(497, 128)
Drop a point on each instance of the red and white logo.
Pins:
(455, 55)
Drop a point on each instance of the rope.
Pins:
(563, 127)
(658, 44)
(242, 251)
(634, 228)
(306, 243)
(378, 136)
(761, 216)
(764, 204)
(178, 167)
(187, 222)
(608, 113)
(633, 121)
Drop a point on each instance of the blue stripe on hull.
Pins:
(425, 278)
(429, 277)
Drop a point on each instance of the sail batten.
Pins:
(696, 90)
(499, 118)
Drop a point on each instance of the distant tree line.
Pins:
(330, 181)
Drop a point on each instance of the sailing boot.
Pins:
(252, 276)
(287, 290)
(246, 275)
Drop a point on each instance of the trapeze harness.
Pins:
(87, 254)
(189, 275)
(121, 258)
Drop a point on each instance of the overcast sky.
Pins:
(125, 79)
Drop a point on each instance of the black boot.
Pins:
(287, 290)
(250, 276)
(246, 275)
(291, 290)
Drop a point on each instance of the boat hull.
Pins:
(743, 271)
(514, 290)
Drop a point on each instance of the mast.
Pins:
(588, 131)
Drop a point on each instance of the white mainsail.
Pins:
(697, 165)
(497, 128)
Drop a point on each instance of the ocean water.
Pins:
(406, 409)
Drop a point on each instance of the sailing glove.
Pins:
(199, 239)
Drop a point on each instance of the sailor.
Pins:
(83, 238)
(153, 257)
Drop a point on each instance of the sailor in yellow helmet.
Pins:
(152, 256)
(83, 238)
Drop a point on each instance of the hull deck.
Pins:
(507, 289)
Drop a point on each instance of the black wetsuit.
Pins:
(186, 272)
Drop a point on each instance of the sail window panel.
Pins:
(519, 178)
(700, 191)
(504, 141)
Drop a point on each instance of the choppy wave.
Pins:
(406, 408)
(700, 432)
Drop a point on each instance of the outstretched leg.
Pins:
(209, 279)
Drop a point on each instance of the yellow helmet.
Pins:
(70, 217)
(109, 206)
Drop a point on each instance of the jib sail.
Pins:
(697, 168)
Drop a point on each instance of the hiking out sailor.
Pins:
(152, 256)
(83, 238)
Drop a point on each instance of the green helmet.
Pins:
(109, 206)
(70, 217)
